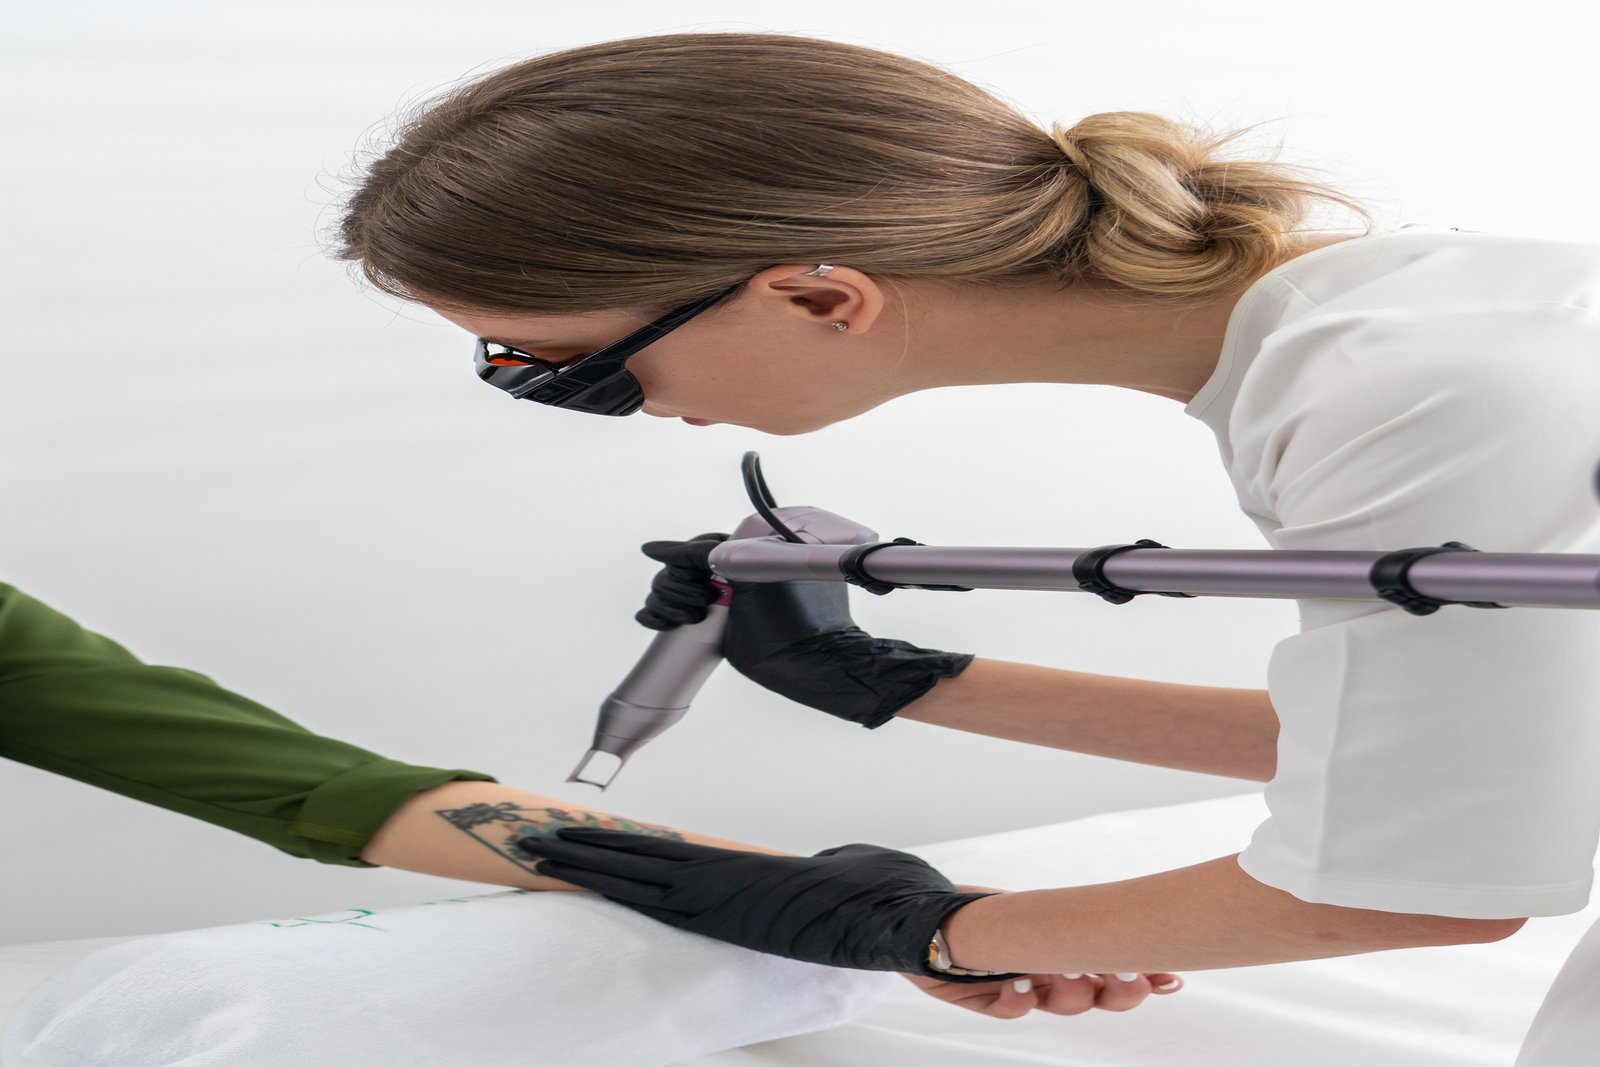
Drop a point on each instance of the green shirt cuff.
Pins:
(339, 817)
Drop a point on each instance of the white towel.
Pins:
(517, 978)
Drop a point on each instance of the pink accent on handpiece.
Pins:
(726, 593)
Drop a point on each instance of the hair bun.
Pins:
(1163, 214)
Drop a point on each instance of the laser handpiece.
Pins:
(659, 689)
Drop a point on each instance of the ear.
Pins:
(844, 294)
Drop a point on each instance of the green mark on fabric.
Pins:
(360, 913)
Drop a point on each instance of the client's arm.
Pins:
(464, 830)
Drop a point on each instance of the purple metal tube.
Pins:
(1524, 579)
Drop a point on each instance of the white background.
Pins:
(222, 452)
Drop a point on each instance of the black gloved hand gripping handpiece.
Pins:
(658, 690)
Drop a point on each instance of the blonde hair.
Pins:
(648, 172)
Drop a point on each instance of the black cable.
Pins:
(755, 484)
(755, 487)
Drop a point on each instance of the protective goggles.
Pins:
(598, 383)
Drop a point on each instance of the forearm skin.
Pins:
(1206, 729)
(1194, 918)
(465, 830)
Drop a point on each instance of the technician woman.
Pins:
(790, 232)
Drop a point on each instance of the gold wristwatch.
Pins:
(939, 958)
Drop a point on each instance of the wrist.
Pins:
(949, 686)
(915, 678)
(960, 930)
(941, 962)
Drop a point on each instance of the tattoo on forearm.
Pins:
(497, 826)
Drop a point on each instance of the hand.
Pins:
(1053, 993)
(1058, 994)
(796, 638)
(859, 906)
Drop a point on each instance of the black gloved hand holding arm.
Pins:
(859, 906)
(796, 638)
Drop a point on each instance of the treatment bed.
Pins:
(656, 995)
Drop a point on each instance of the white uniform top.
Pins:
(1397, 391)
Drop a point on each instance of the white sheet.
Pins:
(1464, 1006)
(498, 980)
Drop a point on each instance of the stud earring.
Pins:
(840, 325)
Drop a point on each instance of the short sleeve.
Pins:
(1446, 764)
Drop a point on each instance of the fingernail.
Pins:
(1072, 976)
(1126, 977)
(1170, 986)
(1022, 985)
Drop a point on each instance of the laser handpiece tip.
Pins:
(574, 776)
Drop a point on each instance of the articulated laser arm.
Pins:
(808, 544)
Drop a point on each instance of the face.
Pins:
(768, 357)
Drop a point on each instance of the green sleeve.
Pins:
(78, 704)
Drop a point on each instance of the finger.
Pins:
(978, 997)
(650, 845)
(648, 618)
(1122, 992)
(580, 856)
(620, 890)
(682, 591)
(668, 611)
(658, 616)
(691, 553)
(1011, 1002)
(672, 553)
(1067, 994)
(860, 848)
(1164, 984)
(670, 916)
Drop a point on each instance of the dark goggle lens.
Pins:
(501, 356)
(597, 390)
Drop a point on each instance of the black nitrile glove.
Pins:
(859, 906)
(681, 591)
(796, 638)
